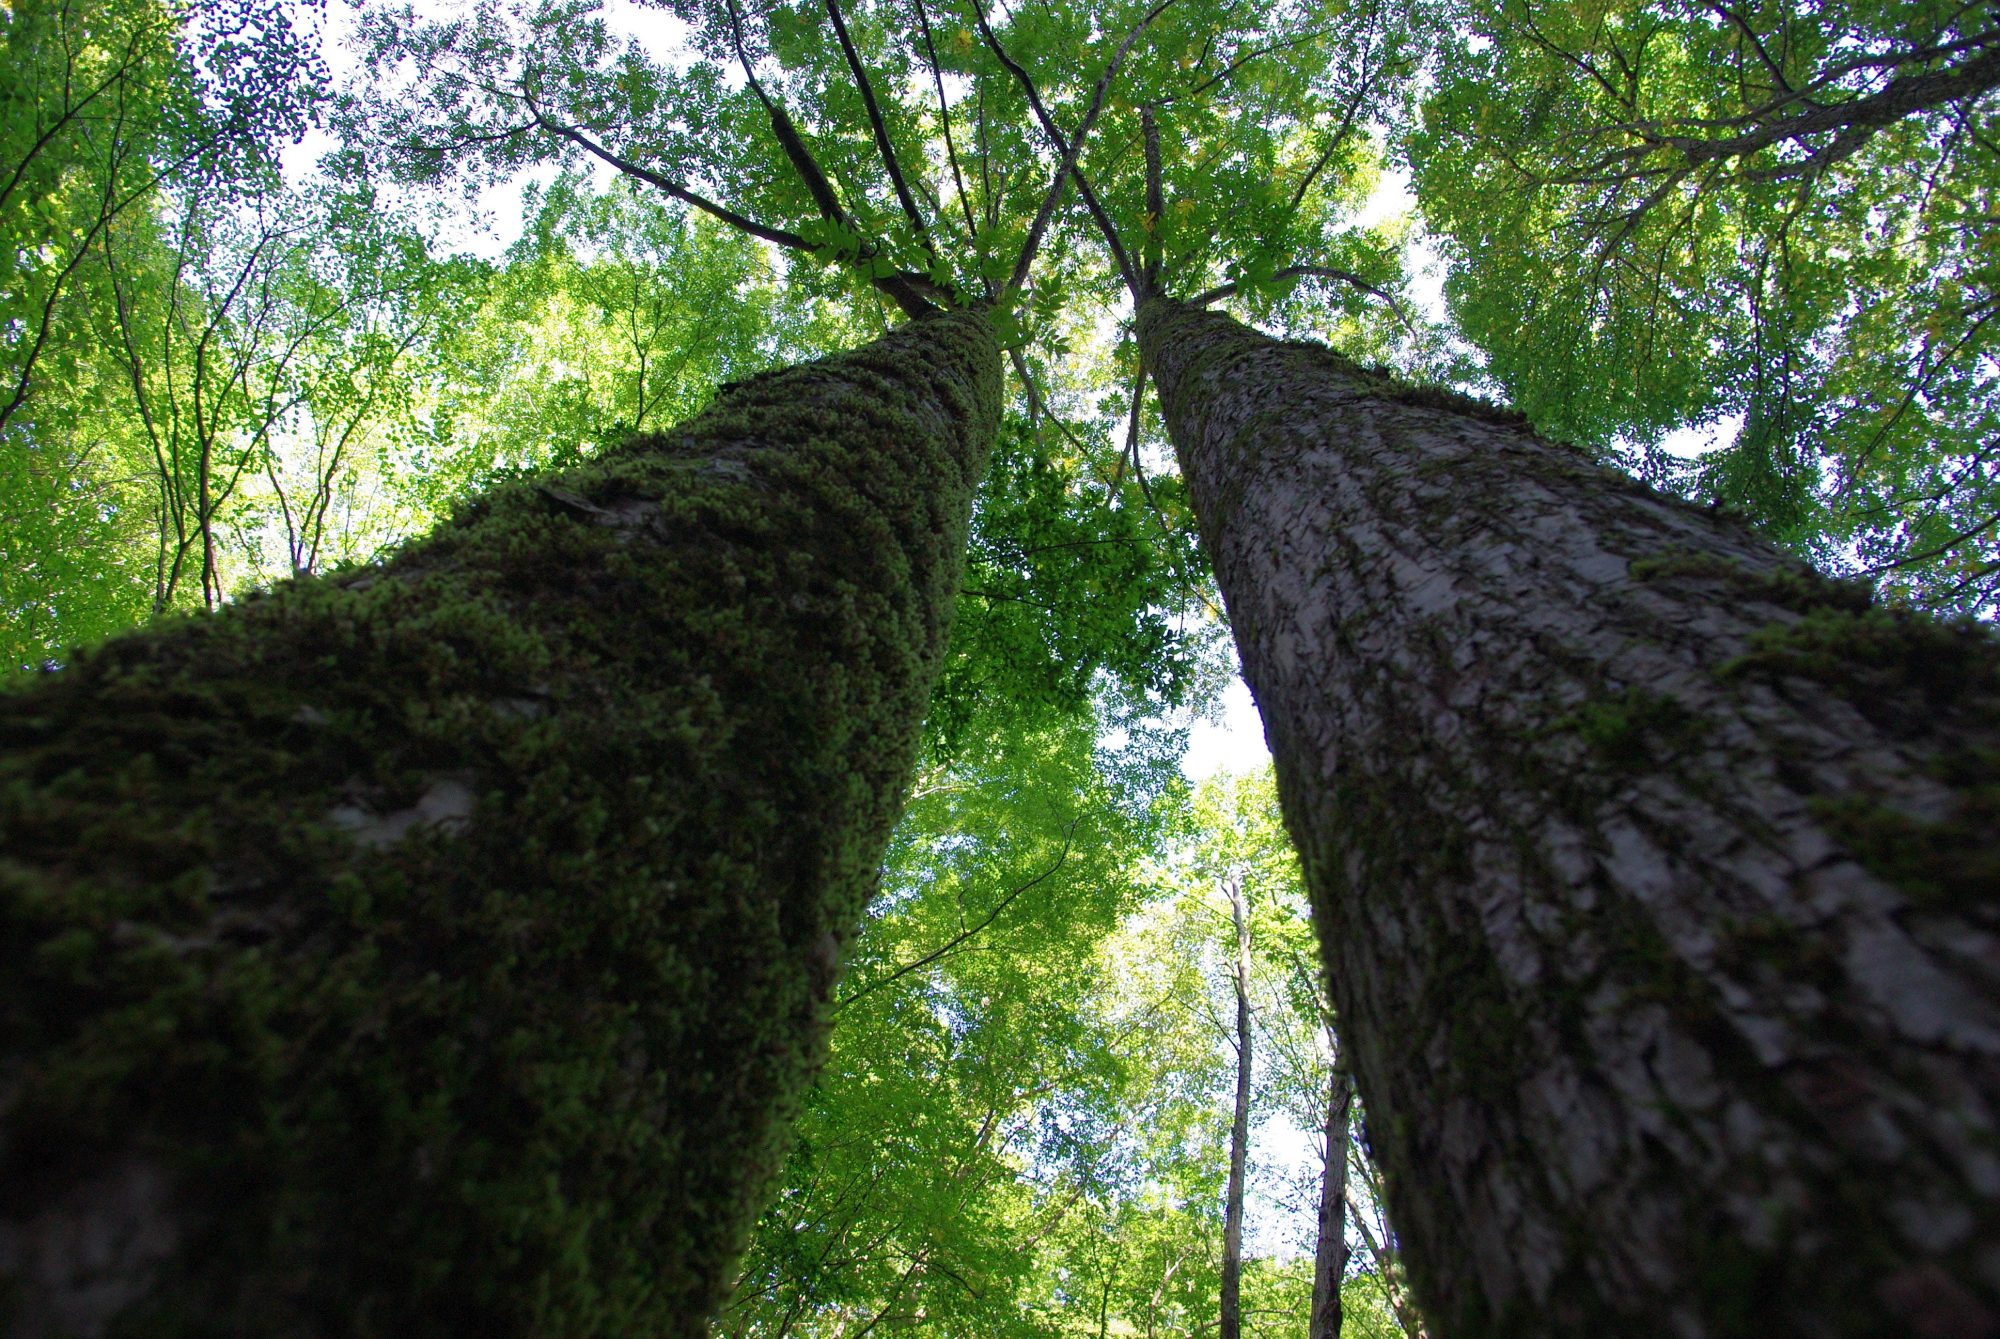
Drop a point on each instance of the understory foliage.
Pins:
(1023, 1128)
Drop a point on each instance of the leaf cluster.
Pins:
(1771, 220)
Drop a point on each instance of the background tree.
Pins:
(968, 1102)
(613, 312)
(108, 106)
(108, 103)
(263, 346)
(1236, 848)
(1024, 1127)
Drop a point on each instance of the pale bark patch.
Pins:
(90, 1253)
(446, 805)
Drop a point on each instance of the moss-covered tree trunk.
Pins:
(440, 948)
(1657, 876)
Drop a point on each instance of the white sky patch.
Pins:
(1391, 198)
(1232, 743)
(336, 32)
(661, 35)
(1427, 269)
(1282, 1156)
(1692, 443)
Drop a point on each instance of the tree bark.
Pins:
(1654, 873)
(1330, 1252)
(1231, 1326)
(446, 943)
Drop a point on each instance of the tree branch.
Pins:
(789, 139)
(778, 236)
(963, 935)
(1852, 122)
(1217, 294)
(1333, 144)
(913, 294)
(944, 119)
(880, 128)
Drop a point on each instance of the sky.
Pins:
(1233, 742)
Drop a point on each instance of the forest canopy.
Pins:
(227, 361)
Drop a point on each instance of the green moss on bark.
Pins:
(1949, 865)
(1630, 729)
(445, 943)
(1882, 659)
(1791, 585)
(1914, 675)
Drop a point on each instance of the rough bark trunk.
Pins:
(1231, 1325)
(1654, 873)
(446, 943)
(1330, 1253)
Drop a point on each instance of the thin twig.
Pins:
(1314, 272)
(778, 236)
(944, 118)
(1069, 833)
(1156, 219)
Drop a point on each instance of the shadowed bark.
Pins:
(1382, 1250)
(1655, 874)
(445, 944)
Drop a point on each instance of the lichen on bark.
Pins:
(1653, 870)
(444, 943)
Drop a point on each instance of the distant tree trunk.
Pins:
(1655, 874)
(1330, 1254)
(1239, 1125)
(444, 944)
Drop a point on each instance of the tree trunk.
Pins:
(1239, 1125)
(1655, 874)
(445, 944)
(1330, 1253)
(1388, 1269)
